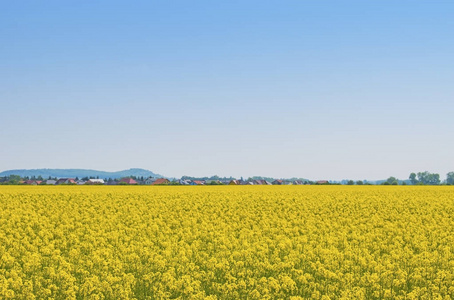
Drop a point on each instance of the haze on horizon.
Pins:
(313, 89)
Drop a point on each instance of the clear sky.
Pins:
(313, 89)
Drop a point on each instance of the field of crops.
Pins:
(224, 242)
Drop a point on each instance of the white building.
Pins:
(95, 181)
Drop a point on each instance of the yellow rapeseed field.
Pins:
(227, 242)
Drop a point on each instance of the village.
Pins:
(148, 181)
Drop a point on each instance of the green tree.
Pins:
(428, 178)
(413, 178)
(450, 178)
(434, 179)
(392, 180)
(14, 179)
(350, 182)
(423, 177)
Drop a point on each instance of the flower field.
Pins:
(224, 242)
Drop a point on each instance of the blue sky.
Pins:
(313, 89)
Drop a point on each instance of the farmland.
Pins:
(224, 242)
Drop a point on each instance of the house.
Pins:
(95, 181)
(198, 182)
(234, 182)
(161, 181)
(80, 182)
(127, 181)
(298, 182)
(184, 182)
(261, 182)
(65, 181)
(277, 182)
(51, 182)
(33, 182)
(322, 182)
(150, 180)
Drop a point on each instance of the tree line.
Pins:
(420, 178)
(426, 178)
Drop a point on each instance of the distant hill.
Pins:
(72, 173)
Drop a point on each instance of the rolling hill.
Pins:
(71, 173)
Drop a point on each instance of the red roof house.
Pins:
(33, 182)
(127, 181)
(160, 181)
(66, 181)
(234, 182)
